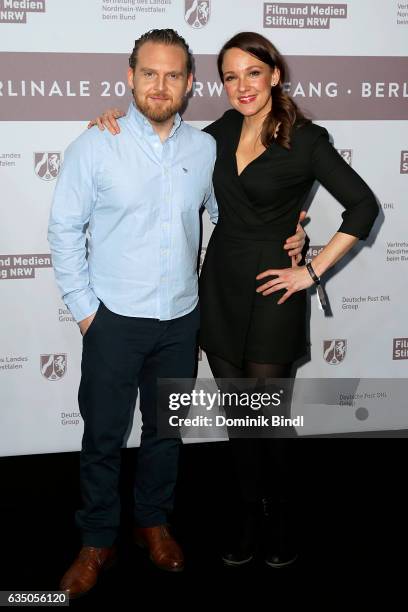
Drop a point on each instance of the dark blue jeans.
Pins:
(121, 355)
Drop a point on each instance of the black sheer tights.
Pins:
(258, 467)
(223, 369)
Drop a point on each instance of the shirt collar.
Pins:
(136, 119)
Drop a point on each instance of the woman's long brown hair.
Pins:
(284, 110)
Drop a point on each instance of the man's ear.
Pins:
(190, 79)
(130, 75)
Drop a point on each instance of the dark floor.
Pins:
(350, 517)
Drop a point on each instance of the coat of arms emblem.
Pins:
(334, 351)
(53, 366)
(47, 165)
(197, 13)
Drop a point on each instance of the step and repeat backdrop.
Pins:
(64, 61)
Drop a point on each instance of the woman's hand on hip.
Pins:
(294, 244)
(292, 279)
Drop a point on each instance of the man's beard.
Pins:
(155, 112)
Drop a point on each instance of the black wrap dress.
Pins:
(258, 210)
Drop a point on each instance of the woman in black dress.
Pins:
(253, 299)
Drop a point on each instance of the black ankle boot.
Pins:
(280, 548)
(241, 543)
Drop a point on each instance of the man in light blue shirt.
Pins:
(141, 198)
(133, 291)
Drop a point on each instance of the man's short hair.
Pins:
(165, 37)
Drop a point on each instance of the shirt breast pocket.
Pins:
(193, 184)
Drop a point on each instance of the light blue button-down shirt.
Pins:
(140, 199)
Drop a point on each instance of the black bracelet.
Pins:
(313, 274)
(320, 291)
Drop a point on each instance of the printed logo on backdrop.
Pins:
(132, 10)
(309, 16)
(347, 155)
(53, 366)
(22, 266)
(396, 251)
(402, 13)
(388, 205)
(13, 362)
(400, 348)
(65, 316)
(404, 162)
(70, 418)
(197, 13)
(334, 351)
(47, 165)
(15, 11)
(313, 251)
(354, 302)
(75, 86)
(9, 160)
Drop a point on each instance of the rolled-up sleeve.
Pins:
(74, 197)
(339, 178)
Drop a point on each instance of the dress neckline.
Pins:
(236, 145)
(239, 174)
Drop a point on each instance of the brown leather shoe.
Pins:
(83, 573)
(163, 548)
